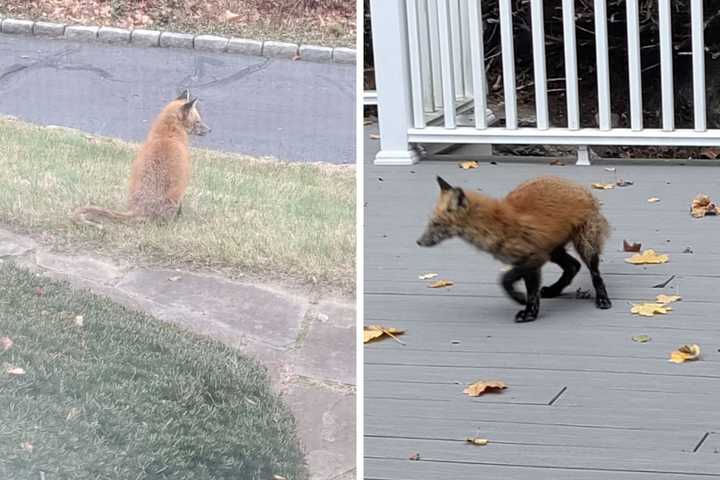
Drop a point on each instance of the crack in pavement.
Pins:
(199, 71)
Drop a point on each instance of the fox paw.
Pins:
(603, 303)
(525, 316)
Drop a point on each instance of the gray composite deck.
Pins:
(584, 401)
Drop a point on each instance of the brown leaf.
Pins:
(375, 332)
(631, 247)
(685, 353)
(701, 206)
(469, 165)
(441, 284)
(481, 386)
(557, 162)
(710, 152)
(6, 344)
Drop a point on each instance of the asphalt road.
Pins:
(297, 111)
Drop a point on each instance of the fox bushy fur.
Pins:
(527, 228)
(161, 170)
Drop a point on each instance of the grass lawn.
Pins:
(124, 396)
(324, 22)
(241, 215)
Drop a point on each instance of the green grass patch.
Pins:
(125, 396)
(241, 215)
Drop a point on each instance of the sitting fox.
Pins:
(529, 227)
(161, 170)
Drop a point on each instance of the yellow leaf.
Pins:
(477, 441)
(649, 309)
(6, 344)
(665, 299)
(603, 186)
(468, 165)
(701, 206)
(653, 200)
(373, 332)
(647, 257)
(481, 386)
(427, 276)
(441, 284)
(685, 353)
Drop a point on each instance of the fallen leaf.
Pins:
(10, 370)
(414, 456)
(649, 309)
(685, 353)
(647, 257)
(653, 200)
(688, 250)
(468, 165)
(641, 338)
(610, 169)
(374, 136)
(631, 247)
(175, 278)
(374, 332)
(624, 183)
(710, 152)
(427, 276)
(603, 186)
(557, 162)
(665, 299)
(6, 344)
(296, 57)
(229, 16)
(478, 388)
(27, 446)
(477, 441)
(79, 321)
(441, 284)
(701, 206)
(72, 413)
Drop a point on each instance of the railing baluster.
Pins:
(415, 68)
(634, 70)
(435, 62)
(540, 74)
(446, 59)
(698, 56)
(508, 63)
(603, 65)
(424, 31)
(571, 75)
(666, 65)
(466, 49)
(456, 48)
(477, 53)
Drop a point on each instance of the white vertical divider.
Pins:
(477, 54)
(466, 52)
(698, 57)
(666, 66)
(571, 75)
(634, 68)
(446, 60)
(539, 66)
(456, 35)
(508, 64)
(424, 31)
(603, 65)
(415, 68)
(434, 37)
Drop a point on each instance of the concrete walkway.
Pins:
(306, 344)
(296, 111)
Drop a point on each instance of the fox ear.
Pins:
(444, 186)
(185, 95)
(458, 199)
(185, 109)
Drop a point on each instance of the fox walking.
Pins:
(529, 227)
(161, 170)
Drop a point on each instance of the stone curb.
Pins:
(155, 38)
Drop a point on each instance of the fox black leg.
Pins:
(532, 286)
(570, 268)
(509, 279)
(601, 296)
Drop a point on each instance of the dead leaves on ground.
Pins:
(650, 309)
(665, 299)
(483, 386)
(441, 284)
(377, 332)
(427, 276)
(631, 247)
(603, 186)
(685, 353)
(641, 338)
(648, 257)
(702, 205)
(469, 165)
(477, 441)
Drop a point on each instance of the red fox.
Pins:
(529, 227)
(161, 170)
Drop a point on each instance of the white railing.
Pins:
(432, 88)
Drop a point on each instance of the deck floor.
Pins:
(584, 400)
